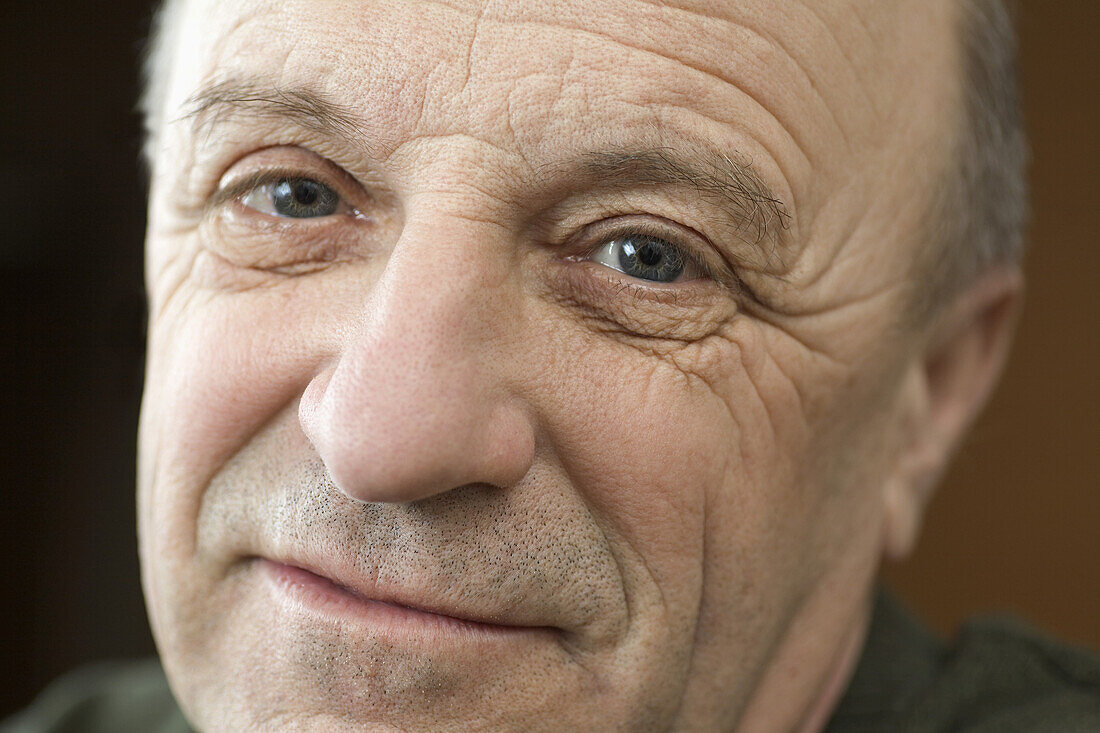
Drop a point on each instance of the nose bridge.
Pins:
(417, 401)
(442, 284)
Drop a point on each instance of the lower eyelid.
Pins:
(216, 272)
(619, 307)
(605, 281)
(261, 242)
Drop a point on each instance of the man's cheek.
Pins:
(219, 371)
(731, 443)
(755, 398)
(649, 450)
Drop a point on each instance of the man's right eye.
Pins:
(294, 198)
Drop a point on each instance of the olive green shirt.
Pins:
(997, 675)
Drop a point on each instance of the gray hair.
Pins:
(156, 66)
(978, 210)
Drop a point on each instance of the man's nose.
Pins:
(417, 401)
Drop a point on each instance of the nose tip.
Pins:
(411, 443)
(418, 396)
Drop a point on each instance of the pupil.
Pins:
(305, 193)
(649, 253)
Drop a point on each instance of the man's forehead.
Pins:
(508, 53)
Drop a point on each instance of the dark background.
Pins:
(1016, 525)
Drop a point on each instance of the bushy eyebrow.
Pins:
(214, 104)
(732, 185)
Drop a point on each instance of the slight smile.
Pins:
(317, 594)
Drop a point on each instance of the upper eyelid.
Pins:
(311, 166)
(614, 227)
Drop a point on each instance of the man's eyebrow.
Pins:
(733, 185)
(223, 100)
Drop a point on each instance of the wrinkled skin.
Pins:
(677, 494)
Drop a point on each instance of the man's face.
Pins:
(528, 366)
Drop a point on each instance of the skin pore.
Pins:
(399, 340)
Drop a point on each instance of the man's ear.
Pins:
(948, 382)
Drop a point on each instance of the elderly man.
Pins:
(571, 365)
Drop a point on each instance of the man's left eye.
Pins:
(646, 257)
(295, 198)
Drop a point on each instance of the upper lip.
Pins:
(371, 589)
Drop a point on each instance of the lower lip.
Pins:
(320, 597)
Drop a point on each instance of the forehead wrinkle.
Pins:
(756, 56)
(727, 179)
(344, 121)
(828, 93)
(754, 49)
(735, 48)
(862, 28)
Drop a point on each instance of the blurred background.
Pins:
(1015, 527)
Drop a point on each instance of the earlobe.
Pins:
(909, 485)
(947, 385)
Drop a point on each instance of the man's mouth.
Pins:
(389, 613)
